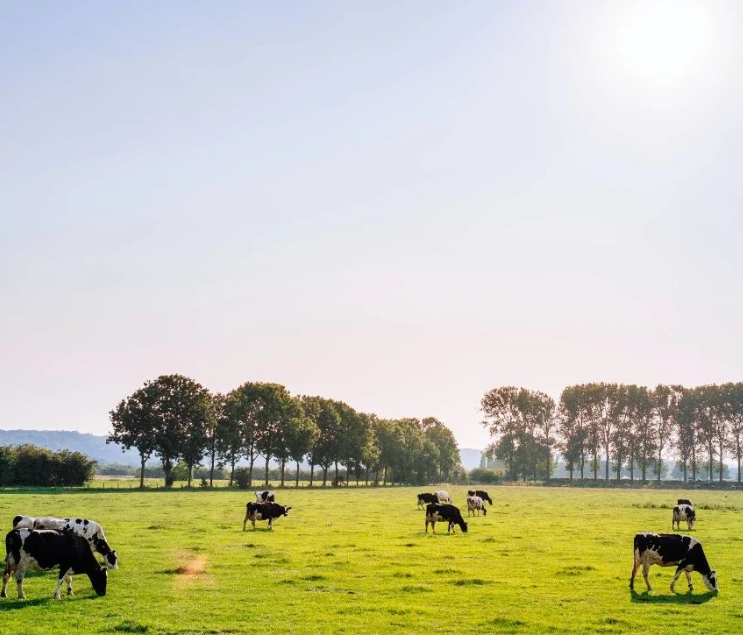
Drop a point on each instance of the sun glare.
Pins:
(664, 41)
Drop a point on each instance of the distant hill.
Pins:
(470, 458)
(91, 444)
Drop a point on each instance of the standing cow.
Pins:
(683, 513)
(481, 493)
(476, 504)
(266, 496)
(442, 496)
(426, 499)
(88, 529)
(672, 550)
(264, 511)
(444, 513)
(43, 550)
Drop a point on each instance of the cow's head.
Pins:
(286, 510)
(463, 525)
(111, 560)
(711, 581)
(99, 580)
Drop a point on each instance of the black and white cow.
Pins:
(264, 511)
(442, 496)
(266, 496)
(449, 514)
(88, 529)
(43, 550)
(683, 513)
(426, 499)
(476, 504)
(683, 501)
(672, 550)
(481, 493)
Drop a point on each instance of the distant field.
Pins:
(357, 561)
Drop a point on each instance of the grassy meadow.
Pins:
(358, 561)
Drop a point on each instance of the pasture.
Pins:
(357, 561)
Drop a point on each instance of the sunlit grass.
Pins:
(358, 561)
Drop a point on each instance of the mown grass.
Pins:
(358, 561)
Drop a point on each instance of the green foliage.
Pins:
(29, 465)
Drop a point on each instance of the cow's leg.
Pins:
(6, 577)
(63, 572)
(688, 579)
(68, 580)
(270, 523)
(252, 520)
(635, 567)
(676, 577)
(645, 569)
(19, 583)
(245, 522)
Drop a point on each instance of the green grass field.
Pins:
(358, 561)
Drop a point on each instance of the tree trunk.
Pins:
(211, 469)
(190, 472)
(336, 475)
(384, 483)
(711, 461)
(143, 460)
(267, 460)
(324, 475)
(167, 469)
(297, 480)
(232, 471)
(607, 464)
(250, 470)
(721, 463)
(283, 464)
(312, 472)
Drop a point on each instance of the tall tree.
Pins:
(230, 431)
(300, 435)
(134, 422)
(324, 451)
(733, 396)
(664, 400)
(180, 410)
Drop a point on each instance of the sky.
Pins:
(398, 204)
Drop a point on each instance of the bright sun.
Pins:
(664, 41)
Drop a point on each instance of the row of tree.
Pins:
(178, 420)
(32, 466)
(630, 429)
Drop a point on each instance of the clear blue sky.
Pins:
(396, 204)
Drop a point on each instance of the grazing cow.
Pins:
(672, 550)
(88, 529)
(476, 504)
(266, 496)
(444, 513)
(264, 511)
(683, 512)
(426, 499)
(683, 501)
(43, 550)
(481, 493)
(442, 496)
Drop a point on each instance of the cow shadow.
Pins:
(7, 604)
(674, 598)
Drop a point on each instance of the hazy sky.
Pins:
(396, 204)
